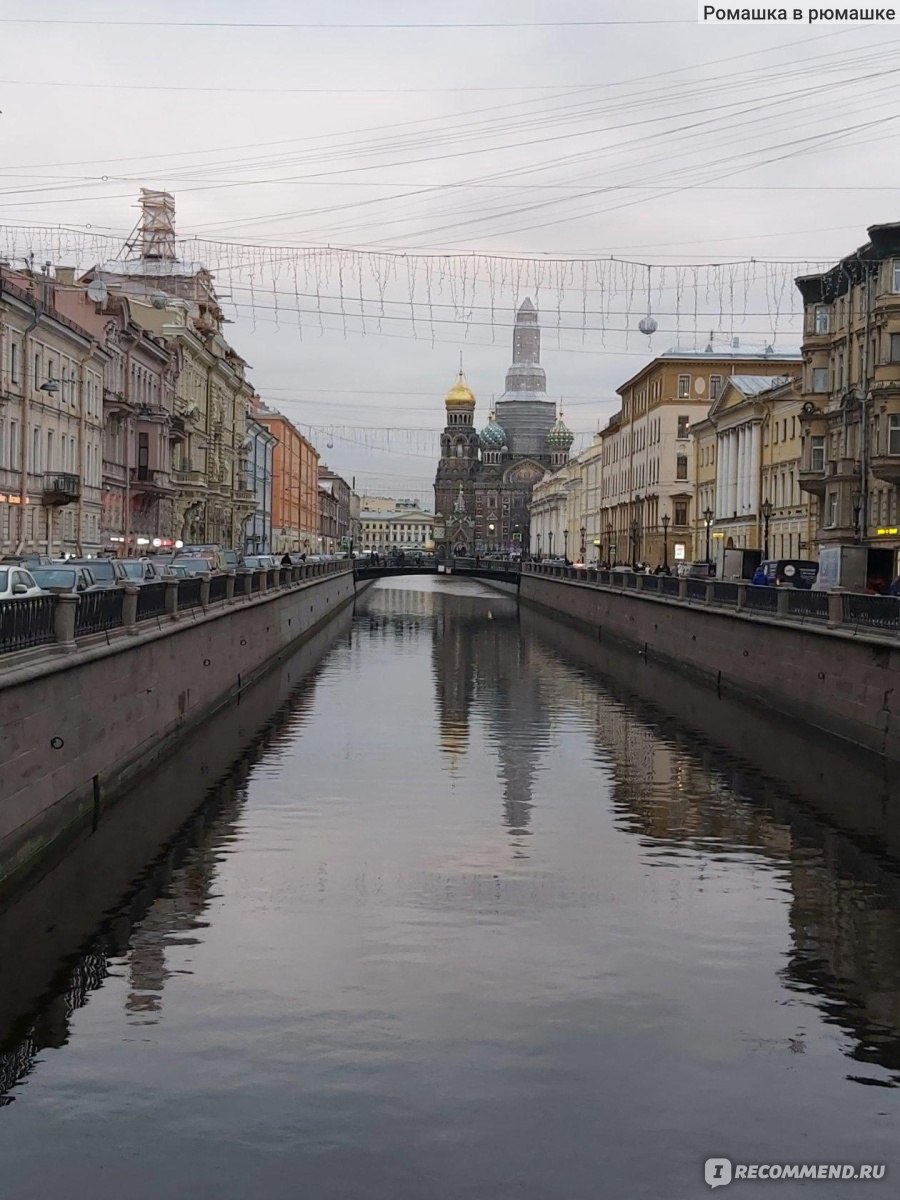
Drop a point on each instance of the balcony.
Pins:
(61, 488)
(812, 480)
(116, 402)
(149, 482)
(189, 478)
(842, 470)
(886, 467)
(245, 495)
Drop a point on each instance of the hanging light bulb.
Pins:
(330, 441)
(648, 324)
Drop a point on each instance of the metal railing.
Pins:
(762, 598)
(218, 588)
(801, 603)
(189, 592)
(877, 612)
(99, 611)
(26, 622)
(848, 610)
(35, 621)
(151, 601)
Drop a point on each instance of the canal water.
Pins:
(459, 903)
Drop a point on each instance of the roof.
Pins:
(752, 385)
(404, 516)
(715, 352)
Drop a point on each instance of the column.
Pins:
(731, 501)
(720, 475)
(742, 470)
(755, 464)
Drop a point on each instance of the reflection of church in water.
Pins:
(482, 675)
(483, 485)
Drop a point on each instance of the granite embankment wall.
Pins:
(79, 725)
(844, 683)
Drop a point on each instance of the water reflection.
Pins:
(44, 983)
(686, 796)
(485, 908)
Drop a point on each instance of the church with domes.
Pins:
(484, 480)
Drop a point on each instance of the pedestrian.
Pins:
(286, 561)
(894, 589)
(760, 578)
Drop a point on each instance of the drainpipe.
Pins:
(26, 412)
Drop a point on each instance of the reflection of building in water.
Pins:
(481, 666)
(671, 785)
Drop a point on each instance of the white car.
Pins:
(16, 582)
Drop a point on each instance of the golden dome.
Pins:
(461, 394)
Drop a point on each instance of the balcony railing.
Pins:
(148, 479)
(61, 488)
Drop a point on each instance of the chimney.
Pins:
(65, 275)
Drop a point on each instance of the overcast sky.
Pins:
(656, 141)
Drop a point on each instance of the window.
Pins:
(49, 449)
(832, 510)
(895, 347)
(681, 467)
(683, 423)
(896, 287)
(13, 362)
(821, 319)
(817, 454)
(894, 433)
(820, 379)
(684, 387)
(681, 512)
(715, 386)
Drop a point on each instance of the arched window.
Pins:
(460, 449)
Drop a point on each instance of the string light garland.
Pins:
(357, 291)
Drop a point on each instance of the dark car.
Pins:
(790, 572)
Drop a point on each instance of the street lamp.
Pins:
(610, 557)
(766, 516)
(491, 528)
(707, 520)
(665, 524)
(566, 545)
(583, 546)
(550, 540)
(539, 539)
(635, 536)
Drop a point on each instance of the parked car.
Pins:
(187, 566)
(138, 570)
(215, 554)
(25, 560)
(790, 572)
(696, 570)
(258, 562)
(16, 582)
(61, 577)
(104, 570)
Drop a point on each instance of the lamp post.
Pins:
(665, 525)
(611, 557)
(566, 544)
(539, 540)
(491, 530)
(707, 521)
(550, 540)
(766, 516)
(583, 546)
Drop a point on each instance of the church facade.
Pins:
(484, 480)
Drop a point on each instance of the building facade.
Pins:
(334, 511)
(648, 511)
(259, 473)
(293, 458)
(52, 374)
(747, 465)
(484, 480)
(851, 401)
(395, 528)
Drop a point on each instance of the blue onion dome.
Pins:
(560, 436)
(493, 436)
